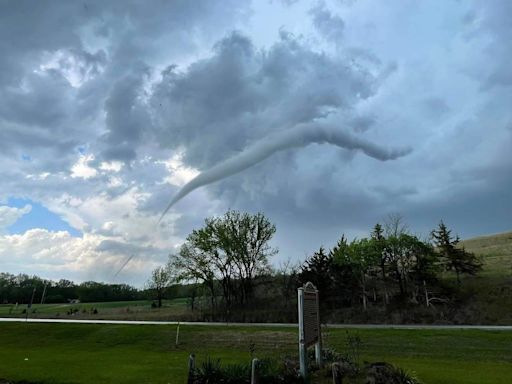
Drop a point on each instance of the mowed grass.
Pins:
(90, 353)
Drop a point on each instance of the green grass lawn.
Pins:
(83, 353)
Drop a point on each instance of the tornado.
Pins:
(124, 265)
(301, 136)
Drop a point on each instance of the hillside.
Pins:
(496, 252)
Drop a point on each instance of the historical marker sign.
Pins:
(309, 325)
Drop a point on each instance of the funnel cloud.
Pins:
(312, 133)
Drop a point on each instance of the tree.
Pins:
(158, 283)
(379, 248)
(244, 238)
(361, 259)
(455, 259)
(287, 279)
(231, 250)
(317, 269)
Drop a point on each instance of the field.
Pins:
(496, 252)
(79, 353)
(119, 310)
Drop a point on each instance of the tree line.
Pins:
(390, 265)
(227, 261)
(224, 269)
(21, 288)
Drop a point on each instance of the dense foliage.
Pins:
(20, 289)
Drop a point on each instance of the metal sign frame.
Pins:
(309, 325)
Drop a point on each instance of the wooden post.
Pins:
(318, 345)
(336, 374)
(191, 368)
(302, 345)
(254, 371)
(177, 334)
(427, 300)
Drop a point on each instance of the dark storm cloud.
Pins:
(299, 136)
(66, 65)
(241, 94)
(494, 18)
(84, 83)
(127, 119)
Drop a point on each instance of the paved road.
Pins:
(283, 325)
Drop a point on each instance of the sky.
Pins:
(109, 108)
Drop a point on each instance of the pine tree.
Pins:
(456, 259)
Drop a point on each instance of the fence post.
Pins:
(336, 374)
(191, 368)
(254, 371)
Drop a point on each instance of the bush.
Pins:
(385, 373)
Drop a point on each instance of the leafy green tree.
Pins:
(193, 265)
(159, 281)
(361, 258)
(231, 250)
(407, 255)
(455, 259)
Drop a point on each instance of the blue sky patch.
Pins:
(38, 217)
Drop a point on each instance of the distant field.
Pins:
(72, 353)
(117, 310)
(496, 252)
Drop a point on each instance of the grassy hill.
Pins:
(496, 252)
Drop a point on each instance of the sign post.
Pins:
(309, 326)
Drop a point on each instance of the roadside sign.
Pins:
(309, 325)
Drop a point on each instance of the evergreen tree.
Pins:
(455, 259)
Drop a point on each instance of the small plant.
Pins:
(405, 377)
(354, 344)
(385, 373)
(252, 348)
(209, 372)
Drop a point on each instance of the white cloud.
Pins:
(9, 215)
(179, 173)
(82, 169)
(112, 166)
(56, 255)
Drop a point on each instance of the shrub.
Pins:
(385, 373)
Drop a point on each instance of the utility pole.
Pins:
(30, 304)
(44, 292)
